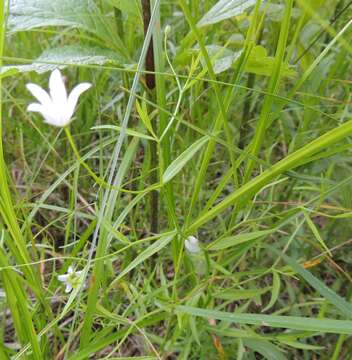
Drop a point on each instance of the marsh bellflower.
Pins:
(56, 107)
(71, 279)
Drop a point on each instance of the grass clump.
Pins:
(197, 203)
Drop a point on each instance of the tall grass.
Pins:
(237, 133)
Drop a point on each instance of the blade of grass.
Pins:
(336, 300)
(249, 43)
(286, 322)
(109, 197)
(273, 88)
(289, 162)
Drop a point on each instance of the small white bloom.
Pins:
(71, 279)
(57, 108)
(192, 245)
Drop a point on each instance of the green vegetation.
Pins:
(198, 204)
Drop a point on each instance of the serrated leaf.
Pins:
(84, 14)
(225, 9)
(62, 57)
(31, 14)
(177, 165)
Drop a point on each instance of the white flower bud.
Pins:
(167, 29)
(192, 245)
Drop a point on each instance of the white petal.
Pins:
(50, 115)
(74, 95)
(68, 288)
(57, 89)
(35, 107)
(63, 278)
(53, 120)
(70, 270)
(40, 94)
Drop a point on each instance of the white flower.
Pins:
(192, 245)
(56, 108)
(71, 279)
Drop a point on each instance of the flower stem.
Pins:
(85, 165)
(153, 187)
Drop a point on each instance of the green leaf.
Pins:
(336, 300)
(147, 253)
(235, 295)
(316, 233)
(225, 9)
(265, 348)
(275, 12)
(224, 243)
(322, 325)
(177, 165)
(258, 61)
(84, 14)
(261, 64)
(300, 345)
(131, 7)
(234, 333)
(62, 57)
(287, 163)
(19, 306)
(29, 14)
(222, 58)
(275, 291)
(129, 132)
(143, 114)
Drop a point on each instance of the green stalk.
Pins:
(222, 118)
(249, 43)
(108, 203)
(15, 290)
(273, 88)
(98, 180)
(164, 144)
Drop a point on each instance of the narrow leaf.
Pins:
(147, 253)
(335, 299)
(275, 291)
(323, 325)
(265, 348)
(177, 165)
(230, 241)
